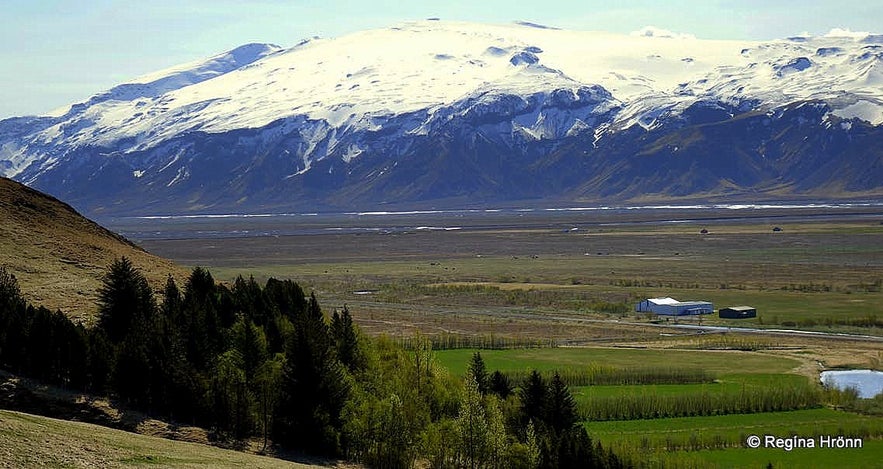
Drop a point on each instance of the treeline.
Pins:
(252, 361)
(448, 341)
(601, 375)
(242, 361)
(650, 405)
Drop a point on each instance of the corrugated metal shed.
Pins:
(671, 307)
(738, 312)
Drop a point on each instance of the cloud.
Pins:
(846, 32)
(653, 31)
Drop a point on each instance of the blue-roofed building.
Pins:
(672, 307)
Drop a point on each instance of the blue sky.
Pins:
(56, 52)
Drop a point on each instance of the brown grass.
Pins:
(58, 256)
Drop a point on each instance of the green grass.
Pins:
(727, 384)
(716, 362)
(723, 439)
(816, 458)
(33, 441)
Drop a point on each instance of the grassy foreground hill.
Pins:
(59, 256)
(32, 441)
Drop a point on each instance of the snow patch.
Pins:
(871, 112)
(182, 175)
(352, 151)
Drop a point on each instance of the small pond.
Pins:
(868, 383)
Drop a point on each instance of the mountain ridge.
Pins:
(353, 122)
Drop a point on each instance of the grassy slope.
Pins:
(58, 256)
(32, 441)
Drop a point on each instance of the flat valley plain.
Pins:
(561, 275)
(567, 281)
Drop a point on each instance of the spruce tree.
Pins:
(201, 326)
(10, 294)
(124, 299)
(534, 395)
(560, 412)
(314, 387)
(479, 372)
(346, 340)
(500, 385)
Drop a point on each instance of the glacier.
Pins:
(375, 111)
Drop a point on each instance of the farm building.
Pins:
(738, 312)
(673, 307)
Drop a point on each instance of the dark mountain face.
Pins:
(483, 158)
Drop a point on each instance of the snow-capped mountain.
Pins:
(448, 113)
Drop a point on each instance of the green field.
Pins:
(698, 441)
(725, 384)
(718, 441)
(717, 362)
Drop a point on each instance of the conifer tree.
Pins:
(314, 387)
(10, 294)
(172, 307)
(479, 372)
(251, 344)
(560, 412)
(201, 326)
(500, 385)
(249, 300)
(346, 340)
(534, 395)
(124, 299)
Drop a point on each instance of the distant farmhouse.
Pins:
(672, 307)
(738, 312)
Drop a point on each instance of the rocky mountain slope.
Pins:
(60, 257)
(436, 113)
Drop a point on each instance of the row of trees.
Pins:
(252, 361)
